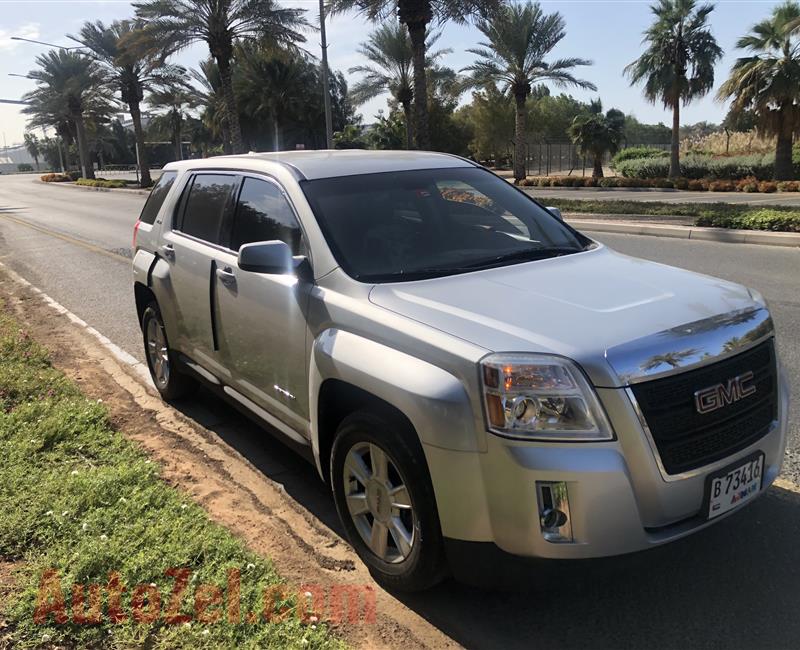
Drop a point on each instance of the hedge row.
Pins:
(101, 182)
(61, 178)
(764, 219)
(635, 153)
(750, 184)
(759, 166)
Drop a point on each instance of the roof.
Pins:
(312, 164)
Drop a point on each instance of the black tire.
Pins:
(177, 384)
(425, 565)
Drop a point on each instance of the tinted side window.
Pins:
(264, 214)
(209, 198)
(157, 196)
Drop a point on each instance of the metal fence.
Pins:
(547, 158)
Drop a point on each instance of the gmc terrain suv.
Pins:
(460, 364)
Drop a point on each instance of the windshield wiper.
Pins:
(527, 254)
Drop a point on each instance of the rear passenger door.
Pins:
(261, 317)
(193, 247)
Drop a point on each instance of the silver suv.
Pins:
(465, 370)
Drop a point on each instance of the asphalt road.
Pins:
(735, 585)
(666, 196)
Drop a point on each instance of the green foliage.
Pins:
(549, 116)
(490, 117)
(350, 137)
(725, 215)
(692, 166)
(24, 167)
(102, 182)
(763, 219)
(595, 133)
(638, 133)
(388, 132)
(635, 153)
(78, 497)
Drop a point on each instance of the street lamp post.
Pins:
(326, 90)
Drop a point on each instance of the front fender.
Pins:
(435, 401)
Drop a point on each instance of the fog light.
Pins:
(554, 515)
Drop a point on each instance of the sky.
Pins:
(609, 32)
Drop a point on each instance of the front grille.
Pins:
(686, 439)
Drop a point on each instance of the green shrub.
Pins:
(633, 153)
(696, 185)
(764, 219)
(681, 184)
(101, 182)
(74, 175)
(767, 187)
(24, 167)
(694, 166)
(789, 186)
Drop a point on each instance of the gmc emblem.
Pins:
(715, 397)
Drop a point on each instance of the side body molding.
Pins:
(434, 400)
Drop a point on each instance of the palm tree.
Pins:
(416, 15)
(273, 83)
(176, 24)
(33, 147)
(597, 134)
(173, 98)
(69, 86)
(768, 82)
(678, 64)
(209, 95)
(388, 50)
(133, 70)
(512, 58)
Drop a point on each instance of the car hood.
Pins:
(579, 306)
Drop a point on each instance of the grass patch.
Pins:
(722, 215)
(80, 498)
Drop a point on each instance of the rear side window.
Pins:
(264, 214)
(157, 196)
(209, 198)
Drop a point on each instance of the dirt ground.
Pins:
(230, 487)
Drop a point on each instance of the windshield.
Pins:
(420, 224)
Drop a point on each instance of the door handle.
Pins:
(227, 277)
(168, 252)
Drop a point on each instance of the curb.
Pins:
(138, 368)
(97, 189)
(532, 189)
(720, 235)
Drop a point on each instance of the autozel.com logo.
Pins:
(715, 397)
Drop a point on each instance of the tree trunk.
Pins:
(409, 125)
(277, 134)
(36, 159)
(519, 138)
(87, 171)
(177, 135)
(226, 137)
(416, 31)
(231, 113)
(144, 164)
(674, 159)
(784, 170)
(597, 172)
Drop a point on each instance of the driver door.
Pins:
(261, 318)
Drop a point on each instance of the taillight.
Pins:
(135, 232)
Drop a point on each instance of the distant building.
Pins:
(15, 155)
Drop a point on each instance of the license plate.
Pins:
(735, 485)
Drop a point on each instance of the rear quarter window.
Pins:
(157, 197)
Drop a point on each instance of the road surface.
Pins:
(735, 585)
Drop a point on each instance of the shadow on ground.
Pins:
(735, 585)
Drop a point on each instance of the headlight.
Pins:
(540, 397)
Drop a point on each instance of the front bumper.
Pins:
(619, 500)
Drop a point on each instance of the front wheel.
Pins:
(385, 500)
(168, 380)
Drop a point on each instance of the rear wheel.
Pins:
(168, 380)
(385, 500)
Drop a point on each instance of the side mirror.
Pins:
(266, 257)
(556, 213)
